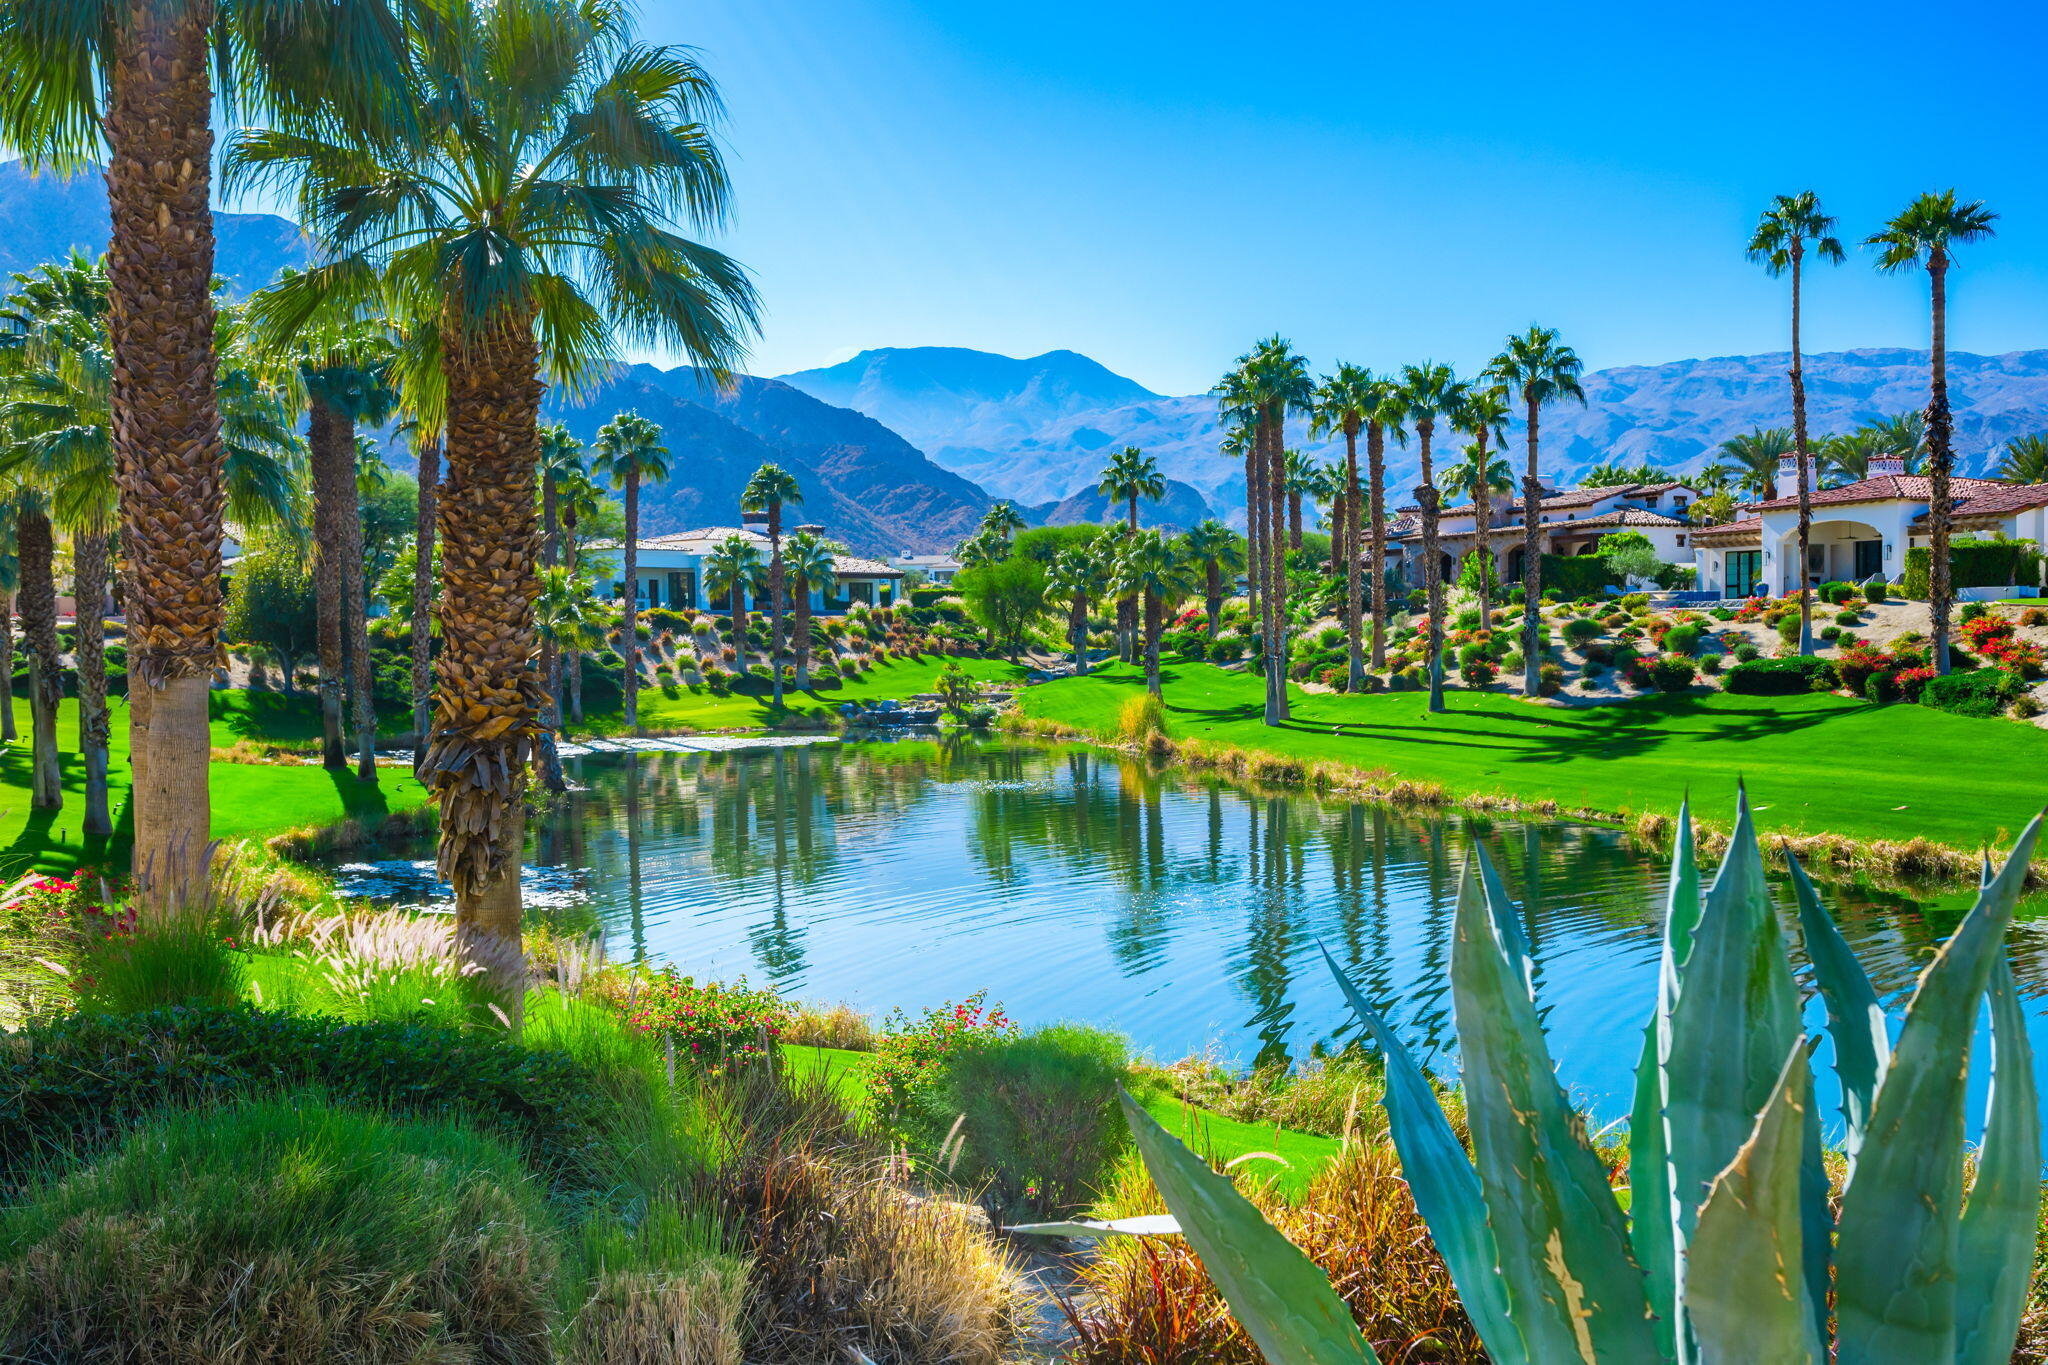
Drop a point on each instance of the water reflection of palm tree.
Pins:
(778, 946)
(635, 908)
(1264, 974)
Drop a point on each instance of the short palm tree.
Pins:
(1131, 474)
(1792, 226)
(1753, 459)
(1924, 236)
(1902, 437)
(10, 588)
(733, 570)
(1152, 568)
(132, 85)
(561, 457)
(770, 490)
(577, 499)
(2025, 459)
(572, 620)
(812, 566)
(630, 455)
(519, 226)
(1298, 472)
(1269, 384)
(1218, 552)
(1002, 520)
(1239, 444)
(1842, 458)
(985, 546)
(1540, 369)
(1483, 414)
(1431, 392)
(1345, 401)
(1075, 576)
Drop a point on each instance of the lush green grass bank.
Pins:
(1814, 764)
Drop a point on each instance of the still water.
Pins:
(1182, 912)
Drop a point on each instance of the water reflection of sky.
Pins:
(1071, 885)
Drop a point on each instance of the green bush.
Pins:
(929, 597)
(1746, 651)
(1974, 563)
(1837, 592)
(1981, 692)
(1781, 677)
(1578, 575)
(283, 1230)
(179, 964)
(1672, 672)
(1875, 588)
(1578, 630)
(1788, 629)
(1710, 664)
(1683, 638)
(1847, 618)
(1041, 1129)
(81, 1082)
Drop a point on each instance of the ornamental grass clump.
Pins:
(1728, 1248)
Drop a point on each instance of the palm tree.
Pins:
(1002, 520)
(1152, 568)
(1843, 457)
(630, 454)
(1780, 244)
(733, 570)
(1131, 474)
(1240, 443)
(1297, 480)
(1431, 391)
(1483, 414)
(812, 567)
(561, 457)
(1541, 369)
(1753, 458)
(1345, 402)
(572, 620)
(518, 226)
(35, 549)
(1925, 235)
(133, 84)
(1076, 574)
(10, 588)
(2025, 459)
(1219, 552)
(1270, 383)
(985, 546)
(577, 498)
(769, 491)
(1902, 437)
(1388, 412)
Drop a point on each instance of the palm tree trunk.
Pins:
(1077, 633)
(1432, 569)
(1940, 464)
(1154, 621)
(39, 625)
(1482, 513)
(803, 637)
(7, 731)
(1253, 567)
(328, 447)
(551, 533)
(1353, 601)
(423, 598)
(629, 644)
(1376, 471)
(545, 747)
(89, 657)
(1802, 462)
(484, 695)
(1532, 559)
(1212, 599)
(776, 604)
(355, 607)
(1293, 518)
(166, 429)
(1276, 568)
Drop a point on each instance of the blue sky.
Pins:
(1158, 185)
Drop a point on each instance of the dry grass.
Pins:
(839, 1025)
(652, 1318)
(1141, 721)
(307, 844)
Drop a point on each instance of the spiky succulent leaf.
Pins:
(1507, 924)
(1572, 1285)
(1747, 1301)
(1856, 1021)
(1441, 1177)
(1279, 1296)
(1996, 1245)
(1653, 1225)
(1897, 1253)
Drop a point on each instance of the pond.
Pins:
(1070, 884)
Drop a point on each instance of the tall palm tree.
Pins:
(1152, 568)
(1002, 520)
(1483, 414)
(427, 451)
(1131, 474)
(1431, 392)
(561, 457)
(1075, 574)
(10, 588)
(1345, 401)
(1270, 383)
(132, 84)
(1753, 458)
(1925, 235)
(1297, 480)
(577, 499)
(812, 567)
(1240, 443)
(2025, 459)
(770, 490)
(1219, 552)
(733, 570)
(519, 226)
(1541, 369)
(1843, 457)
(1788, 229)
(629, 455)
(1388, 413)
(571, 619)
(35, 547)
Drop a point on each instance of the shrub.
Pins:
(905, 1078)
(1788, 629)
(1549, 679)
(1831, 634)
(1683, 638)
(1972, 611)
(1980, 692)
(1847, 618)
(1140, 718)
(1856, 663)
(1781, 677)
(2025, 707)
(284, 1231)
(1875, 589)
(1477, 672)
(1598, 652)
(1710, 664)
(2034, 616)
(183, 963)
(1672, 672)
(716, 1025)
(1746, 651)
(1975, 563)
(77, 1083)
(1040, 1124)
(1579, 575)
(1578, 630)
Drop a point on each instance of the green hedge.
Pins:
(1781, 677)
(1976, 564)
(1578, 575)
(929, 597)
(1981, 692)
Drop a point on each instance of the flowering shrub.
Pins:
(65, 905)
(1856, 663)
(906, 1071)
(1992, 638)
(718, 1024)
(1477, 672)
(1912, 681)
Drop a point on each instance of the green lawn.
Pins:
(1813, 763)
(248, 799)
(895, 678)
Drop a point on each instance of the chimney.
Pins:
(1881, 465)
(1788, 474)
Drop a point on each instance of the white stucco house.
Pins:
(938, 570)
(1858, 530)
(669, 572)
(1573, 522)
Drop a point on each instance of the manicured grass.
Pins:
(248, 799)
(1813, 763)
(895, 678)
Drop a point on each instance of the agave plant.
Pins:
(1723, 1248)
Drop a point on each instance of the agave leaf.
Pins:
(1856, 1020)
(1572, 1286)
(1283, 1301)
(1897, 1254)
(1508, 925)
(1746, 1305)
(1441, 1178)
(1649, 1179)
(1996, 1245)
(1735, 1018)
(1145, 1225)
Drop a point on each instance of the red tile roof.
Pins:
(1731, 533)
(2001, 500)
(1620, 516)
(1881, 488)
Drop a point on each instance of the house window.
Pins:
(1869, 559)
(682, 588)
(650, 593)
(1678, 504)
(1681, 540)
(1745, 567)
